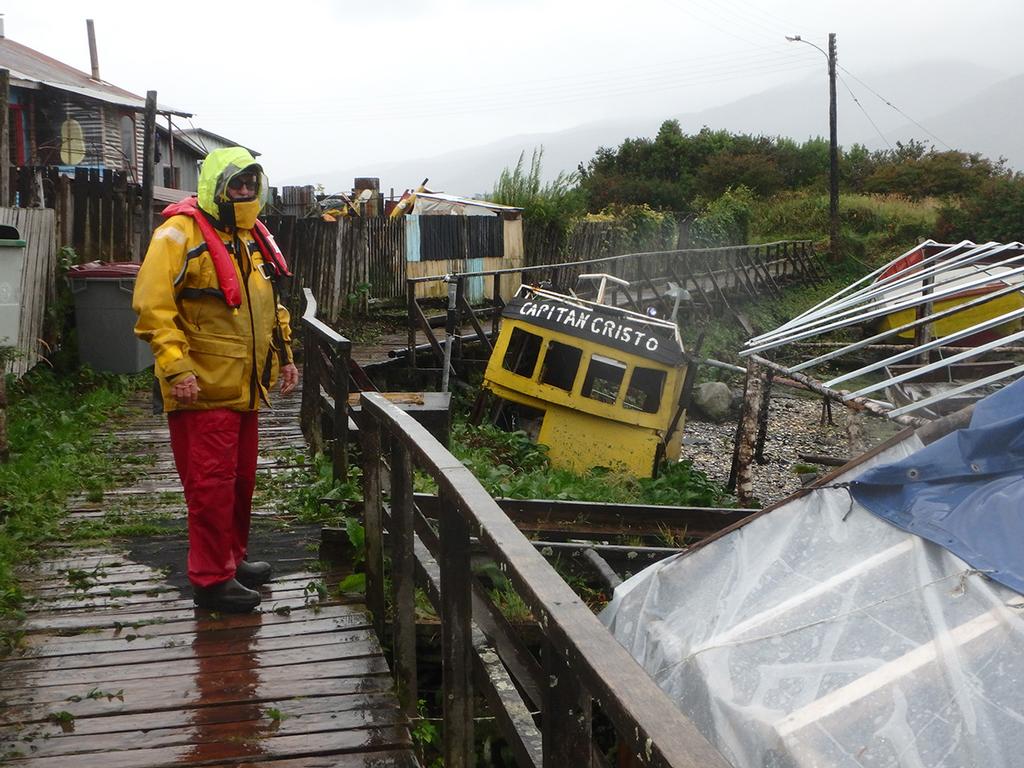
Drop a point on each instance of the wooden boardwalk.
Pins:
(119, 670)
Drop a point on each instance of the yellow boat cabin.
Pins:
(598, 384)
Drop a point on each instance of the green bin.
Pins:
(105, 318)
(12, 264)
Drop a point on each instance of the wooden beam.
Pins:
(148, 169)
(5, 141)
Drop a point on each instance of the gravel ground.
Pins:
(794, 427)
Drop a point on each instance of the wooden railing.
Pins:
(581, 662)
(325, 388)
(716, 278)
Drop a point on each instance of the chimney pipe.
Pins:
(94, 59)
(2, 35)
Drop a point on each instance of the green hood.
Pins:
(218, 168)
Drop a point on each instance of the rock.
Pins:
(713, 399)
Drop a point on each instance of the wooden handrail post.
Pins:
(310, 417)
(566, 714)
(372, 520)
(410, 288)
(339, 448)
(456, 634)
(403, 561)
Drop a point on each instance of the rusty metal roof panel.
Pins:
(32, 69)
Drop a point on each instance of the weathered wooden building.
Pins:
(63, 117)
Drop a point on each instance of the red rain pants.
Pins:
(215, 452)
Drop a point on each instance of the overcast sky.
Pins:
(317, 86)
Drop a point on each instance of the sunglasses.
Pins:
(238, 182)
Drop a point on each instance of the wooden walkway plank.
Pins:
(118, 668)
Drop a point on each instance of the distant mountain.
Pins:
(966, 106)
(988, 122)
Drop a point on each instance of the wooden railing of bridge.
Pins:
(716, 278)
(325, 370)
(582, 664)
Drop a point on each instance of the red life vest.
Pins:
(226, 275)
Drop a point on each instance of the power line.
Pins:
(724, 30)
(500, 102)
(857, 102)
(780, 24)
(900, 111)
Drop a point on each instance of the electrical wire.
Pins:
(703, 20)
(783, 26)
(500, 102)
(900, 111)
(857, 102)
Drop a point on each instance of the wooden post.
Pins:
(566, 714)
(310, 408)
(497, 302)
(5, 134)
(339, 448)
(762, 422)
(148, 163)
(410, 289)
(369, 430)
(403, 561)
(746, 437)
(456, 634)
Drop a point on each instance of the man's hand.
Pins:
(289, 378)
(186, 391)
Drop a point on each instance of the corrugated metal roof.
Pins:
(446, 198)
(183, 139)
(32, 69)
(199, 136)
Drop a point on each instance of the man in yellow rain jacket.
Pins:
(207, 301)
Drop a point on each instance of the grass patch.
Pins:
(509, 464)
(52, 423)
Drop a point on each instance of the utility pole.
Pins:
(833, 149)
(833, 154)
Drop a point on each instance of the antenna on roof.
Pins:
(94, 58)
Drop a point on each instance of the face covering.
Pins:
(241, 213)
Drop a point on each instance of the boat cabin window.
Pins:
(604, 377)
(644, 391)
(522, 352)
(560, 365)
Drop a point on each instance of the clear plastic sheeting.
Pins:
(821, 635)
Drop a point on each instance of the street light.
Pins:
(833, 151)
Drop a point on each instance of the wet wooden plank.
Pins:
(248, 723)
(226, 713)
(233, 655)
(198, 687)
(84, 651)
(396, 759)
(237, 749)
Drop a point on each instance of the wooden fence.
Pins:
(716, 278)
(37, 288)
(342, 262)
(98, 213)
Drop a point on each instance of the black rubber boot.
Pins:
(253, 575)
(228, 597)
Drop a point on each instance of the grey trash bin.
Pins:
(12, 263)
(105, 318)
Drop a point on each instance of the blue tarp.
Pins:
(965, 492)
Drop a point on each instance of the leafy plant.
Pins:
(426, 738)
(276, 715)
